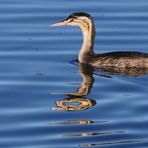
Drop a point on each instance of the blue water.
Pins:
(38, 68)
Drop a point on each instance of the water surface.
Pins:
(38, 66)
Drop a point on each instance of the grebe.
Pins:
(121, 59)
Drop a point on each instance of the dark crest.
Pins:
(78, 14)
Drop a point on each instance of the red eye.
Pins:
(72, 20)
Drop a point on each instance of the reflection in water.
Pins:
(93, 134)
(134, 72)
(115, 143)
(77, 122)
(76, 102)
(86, 73)
(69, 122)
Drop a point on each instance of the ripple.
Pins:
(39, 67)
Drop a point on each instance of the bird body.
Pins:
(121, 59)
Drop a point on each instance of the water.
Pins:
(38, 68)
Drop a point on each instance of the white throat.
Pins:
(88, 40)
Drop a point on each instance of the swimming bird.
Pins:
(121, 59)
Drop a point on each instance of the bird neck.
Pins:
(86, 50)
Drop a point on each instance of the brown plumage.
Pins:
(120, 59)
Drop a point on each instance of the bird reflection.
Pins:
(108, 144)
(74, 104)
(76, 100)
(132, 72)
(86, 73)
(72, 122)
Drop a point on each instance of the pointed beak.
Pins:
(60, 24)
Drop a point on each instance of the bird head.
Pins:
(81, 19)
